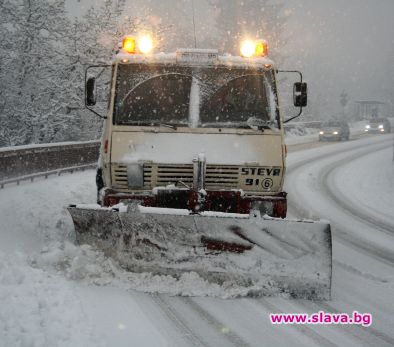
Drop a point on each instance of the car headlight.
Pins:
(135, 175)
(321, 133)
(367, 126)
(335, 133)
(381, 126)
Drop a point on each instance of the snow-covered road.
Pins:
(53, 293)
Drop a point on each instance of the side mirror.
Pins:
(300, 94)
(90, 94)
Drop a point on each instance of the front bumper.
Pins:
(375, 131)
(220, 201)
(330, 137)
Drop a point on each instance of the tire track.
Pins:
(359, 273)
(186, 332)
(345, 203)
(345, 238)
(230, 336)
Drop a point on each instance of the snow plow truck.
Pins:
(191, 172)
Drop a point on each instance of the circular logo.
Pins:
(267, 183)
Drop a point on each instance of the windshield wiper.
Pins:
(157, 124)
(258, 123)
(171, 126)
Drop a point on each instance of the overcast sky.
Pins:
(339, 45)
(344, 45)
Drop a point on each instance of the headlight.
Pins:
(335, 133)
(128, 44)
(135, 175)
(321, 133)
(248, 48)
(145, 44)
(367, 126)
(381, 126)
(257, 48)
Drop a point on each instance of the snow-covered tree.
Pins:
(92, 40)
(43, 58)
(31, 81)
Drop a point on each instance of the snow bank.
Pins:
(39, 308)
(300, 135)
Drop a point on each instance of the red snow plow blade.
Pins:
(279, 256)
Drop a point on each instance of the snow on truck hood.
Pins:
(182, 148)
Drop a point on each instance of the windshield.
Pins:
(194, 97)
(332, 124)
(377, 120)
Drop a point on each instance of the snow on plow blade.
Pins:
(278, 256)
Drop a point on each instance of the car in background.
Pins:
(334, 130)
(378, 125)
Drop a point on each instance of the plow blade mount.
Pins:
(278, 256)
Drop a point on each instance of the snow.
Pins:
(182, 212)
(230, 149)
(198, 50)
(39, 308)
(308, 188)
(173, 242)
(294, 136)
(54, 293)
(162, 58)
(194, 110)
(377, 171)
(272, 102)
(50, 289)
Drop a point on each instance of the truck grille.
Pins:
(217, 176)
(221, 177)
(119, 177)
(162, 174)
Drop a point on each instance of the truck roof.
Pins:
(195, 57)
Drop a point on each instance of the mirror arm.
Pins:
(288, 120)
(96, 113)
(86, 77)
(292, 71)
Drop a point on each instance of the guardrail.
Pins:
(308, 124)
(29, 162)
